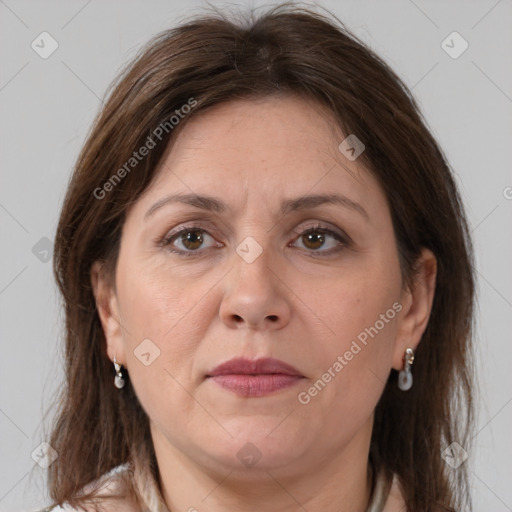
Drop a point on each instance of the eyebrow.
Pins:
(210, 203)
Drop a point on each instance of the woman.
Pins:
(268, 283)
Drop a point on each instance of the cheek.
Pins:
(157, 302)
(163, 325)
(351, 302)
(358, 313)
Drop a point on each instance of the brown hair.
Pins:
(213, 59)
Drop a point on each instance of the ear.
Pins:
(108, 311)
(416, 307)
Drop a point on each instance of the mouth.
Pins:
(254, 378)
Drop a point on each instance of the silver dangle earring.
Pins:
(405, 375)
(119, 381)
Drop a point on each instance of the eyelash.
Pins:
(344, 240)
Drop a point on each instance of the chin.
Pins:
(258, 443)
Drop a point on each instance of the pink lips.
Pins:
(253, 378)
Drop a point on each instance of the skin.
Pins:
(293, 302)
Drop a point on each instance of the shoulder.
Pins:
(110, 491)
(395, 501)
(57, 508)
(118, 506)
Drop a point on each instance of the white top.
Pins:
(379, 499)
(108, 484)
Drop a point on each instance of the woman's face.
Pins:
(259, 239)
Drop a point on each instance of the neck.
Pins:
(340, 482)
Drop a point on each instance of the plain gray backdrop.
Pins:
(46, 109)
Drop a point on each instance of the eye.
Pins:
(193, 240)
(189, 240)
(321, 240)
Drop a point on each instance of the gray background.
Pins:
(47, 106)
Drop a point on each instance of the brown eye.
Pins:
(192, 239)
(313, 240)
(320, 240)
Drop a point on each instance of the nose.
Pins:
(255, 297)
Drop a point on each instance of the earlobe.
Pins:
(417, 306)
(108, 311)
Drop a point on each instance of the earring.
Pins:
(119, 381)
(405, 375)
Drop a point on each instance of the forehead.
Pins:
(263, 149)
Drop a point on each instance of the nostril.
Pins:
(272, 318)
(237, 318)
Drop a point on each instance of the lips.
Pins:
(254, 378)
(263, 366)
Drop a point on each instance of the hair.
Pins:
(211, 59)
